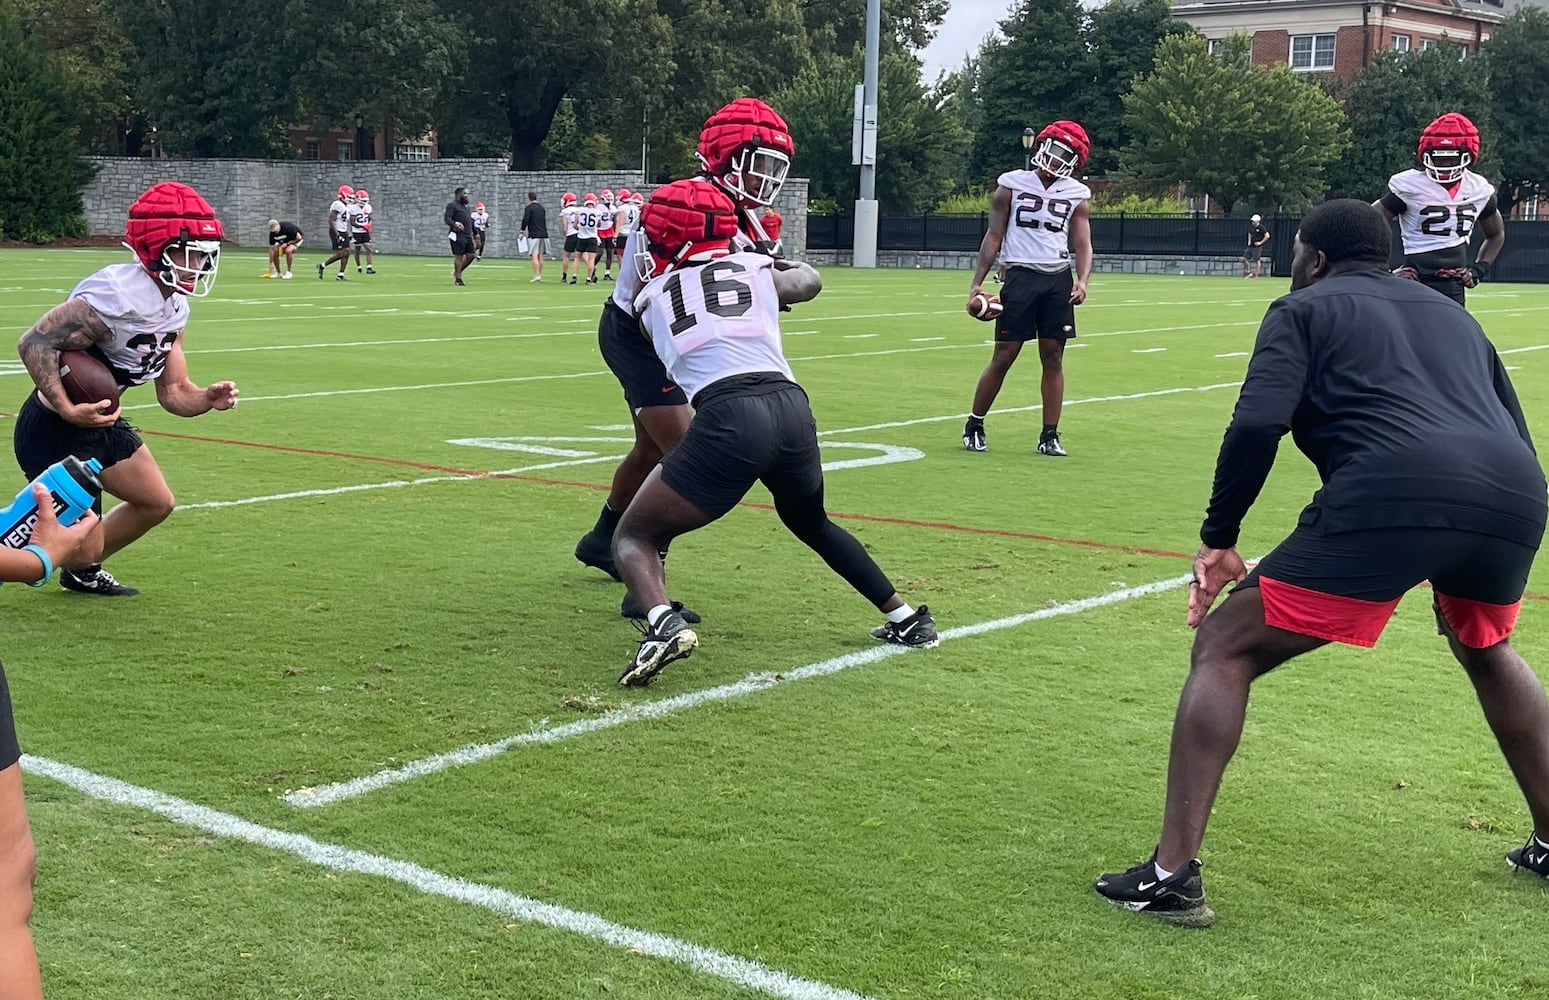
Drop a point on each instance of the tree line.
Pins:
(594, 84)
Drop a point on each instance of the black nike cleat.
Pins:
(1049, 444)
(1179, 899)
(973, 435)
(1532, 856)
(630, 608)
(918, 630)
(597, 553)
(94, 580)
(670, 640)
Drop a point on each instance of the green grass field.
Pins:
(344, 592)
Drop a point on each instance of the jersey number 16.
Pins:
(713, 289)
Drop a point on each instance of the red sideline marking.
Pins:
(877, 518)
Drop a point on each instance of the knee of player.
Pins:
(18, 876)
(1053, 358)
(159, 508)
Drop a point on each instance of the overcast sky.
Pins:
(966, 24)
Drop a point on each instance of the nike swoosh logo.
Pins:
(906, 631)
(1144, 886)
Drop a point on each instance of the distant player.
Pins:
(1035, 217)
(713, 316)
(588, 219)
(607, 228)
(284, 239)
(1438, 204)
(745, 149)
(339, 232)
(1258, 236)
(360, 229)
(131, 317)
(480, 227)
(569, 259)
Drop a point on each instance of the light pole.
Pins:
(360, 127)
(1029, 139)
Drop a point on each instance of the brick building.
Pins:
(1341, 36)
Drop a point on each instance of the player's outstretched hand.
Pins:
(100, 414)
(80, 543)
(1213, 570)
(221, 395)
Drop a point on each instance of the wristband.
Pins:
(48, 564)
(1480, 269)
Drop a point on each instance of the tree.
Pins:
(837, 28)
(1122, 36)
(42, 170)
(1244, 135)
(83, 40)
(1517, 56)
(919, 143)
(1392, 100)
(1041, 71)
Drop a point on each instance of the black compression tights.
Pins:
(808, 521)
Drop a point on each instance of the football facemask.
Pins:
(1056, 157)
(1446, 166)
(188, 266)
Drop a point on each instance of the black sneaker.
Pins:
(918, 630)
(630, 608)
(94, 580)
(670, 640)
(340, 277)
(319, 272)
(1177, 900)
(370, 269)
(598, 553)
(973, 435)
(607, 277)
(1532, 855)
(572, 279)
(1049, 444)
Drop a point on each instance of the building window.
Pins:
(410, 151)
(314, 150)
(1400, 43)
(346, 149)
(1426, 44)
(1311, 53)
(1214, 45)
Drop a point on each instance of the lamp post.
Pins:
(1029, 139)
(360, 127)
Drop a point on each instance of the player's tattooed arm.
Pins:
(72, 325)
(989, 248)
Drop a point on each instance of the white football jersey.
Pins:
(480, 220)
(587, 219)
(359, 218)
(145, 323)
(715, 320)
(628, 284)
(1434, 218)
(567, 218)
(1037, 233)
(365, 211)
(339, 216)
(628, 217)
(605, 212)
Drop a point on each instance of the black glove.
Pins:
(1478, 270)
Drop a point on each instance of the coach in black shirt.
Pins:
(459, 225)
(1394, 394)
(534, 228)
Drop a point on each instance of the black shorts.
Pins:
(1253, 254)
(341, 241)
(619, 241)
(633, 361)
(571, 239)
(462, 246)
(746, 429)
(42, 437)
(1343, 586)
(10, 750)
(1037, 305)
(361, 239)
(587, 244)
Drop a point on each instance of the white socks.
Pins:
(899, 613)
(655, 614)
(1161, 873)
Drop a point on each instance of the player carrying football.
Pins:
(745, 149)
(131, 318)
(1438, 204)
(713, 316)
(1035, 216)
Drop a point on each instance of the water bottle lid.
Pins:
(93, 466)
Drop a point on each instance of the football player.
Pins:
(1438, 204)
(626, 216)
(607, 228)
(745, 149)
(130, 317)
(713, 316)
(587, 220)
(480, 227)
(360, 229)
(1035, 217)
(339, 231)
(568, 258)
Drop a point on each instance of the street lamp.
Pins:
(360, 125)
(1029, 139)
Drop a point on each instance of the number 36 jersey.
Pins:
(1432, 217)
(1037, 233)
(715, 320)
(145, 323)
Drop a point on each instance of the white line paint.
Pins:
(858, 336)
(383, 343)
(325, 794)
(921, 340)
(1524, 350)
(336, 857)
(1234, 354)
(1148, 350)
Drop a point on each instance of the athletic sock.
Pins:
(976, 418)
(899, 613)
(1049, 430)
(607, 521)
(1541, 842)
(655, 614)
(1161, 873)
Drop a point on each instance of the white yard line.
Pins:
(325, 794)
(336, 857)
(1524, 350)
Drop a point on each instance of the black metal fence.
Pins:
(1525, 258)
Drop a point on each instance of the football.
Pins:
(984, 307)
(85, 379)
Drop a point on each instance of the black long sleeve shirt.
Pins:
(1396, 396)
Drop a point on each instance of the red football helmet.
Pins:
(168, 225)
(684, 221)
(1062, 148)
(746, 148)
(346, 193)
(588, 199)
(1448, 146)
(362, 195)
(624, 195)
(568, 198)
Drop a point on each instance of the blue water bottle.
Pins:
(74, 486)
